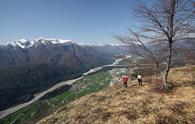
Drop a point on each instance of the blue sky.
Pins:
(84, 21)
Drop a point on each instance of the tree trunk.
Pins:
(166, 85)
(171, 13)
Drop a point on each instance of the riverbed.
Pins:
(11, 110)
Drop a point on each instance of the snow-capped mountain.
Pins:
(49, 41)
(24, 43)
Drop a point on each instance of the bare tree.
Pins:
(163, 23)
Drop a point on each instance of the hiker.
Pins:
(125, 80)
(139, 79)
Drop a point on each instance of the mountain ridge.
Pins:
(25, 43)
(27, 70)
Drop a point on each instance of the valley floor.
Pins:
(140, 105)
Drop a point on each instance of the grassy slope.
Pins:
(42, 108)
(116, 105)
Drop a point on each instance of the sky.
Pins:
(83, 21)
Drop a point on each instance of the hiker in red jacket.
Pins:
(125, 80)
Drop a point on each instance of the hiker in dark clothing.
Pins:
(125, 80)
(139, 79)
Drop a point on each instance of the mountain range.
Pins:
(28, 67)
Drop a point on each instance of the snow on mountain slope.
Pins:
(24, 43)
(48, 41)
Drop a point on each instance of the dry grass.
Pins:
(135, 104)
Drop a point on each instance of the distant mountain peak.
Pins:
(24, 43)
(53, 41)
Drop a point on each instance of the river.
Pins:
(11, 110)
